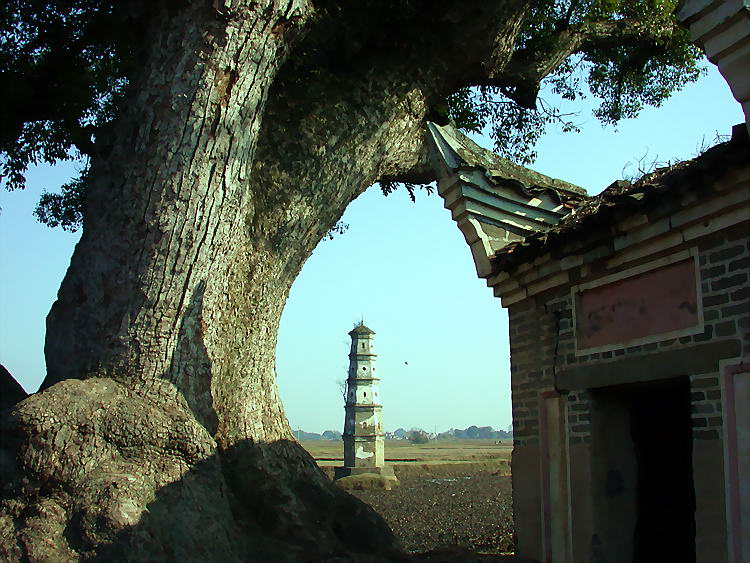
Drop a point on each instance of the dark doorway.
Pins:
(642, 467)
(661, 428)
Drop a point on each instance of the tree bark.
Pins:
(159, 430)
(153, 286)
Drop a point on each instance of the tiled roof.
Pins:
(492, 200)
(361, 329)
(502, 171)
(622, 199)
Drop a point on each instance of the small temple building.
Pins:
(630, 350)
(629, 336)
(364, 439)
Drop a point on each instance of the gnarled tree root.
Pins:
(91, 470)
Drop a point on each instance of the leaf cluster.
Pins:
(64, 67)
(626, 72)
(62, 73)
(390, 186)
(628, 77)
(513, 128)
(64, 209)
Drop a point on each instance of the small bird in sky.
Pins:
(407, 363)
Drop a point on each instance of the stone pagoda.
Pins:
(364, 450)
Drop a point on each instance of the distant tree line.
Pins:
(327, 435)
(470, 433)
(474, 433)
(419, 436)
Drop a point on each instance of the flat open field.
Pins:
(452, 493)
(328, 452)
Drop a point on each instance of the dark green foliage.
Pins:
(625, 73)
(641, 67)
(389, 186)
(65, 208)
(627, 77)
(64, 67)
(474, 433)
(417, 436)
(62, 72)
(514, 129)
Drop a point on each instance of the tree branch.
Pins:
(571, 10)
(420, 172)
(521, 78)
(81, 138)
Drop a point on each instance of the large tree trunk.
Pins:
(162, 293)
(159, 433)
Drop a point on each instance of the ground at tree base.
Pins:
(92, 471)
(367, 481)
(451, 512)
(462, 555)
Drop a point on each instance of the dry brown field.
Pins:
(451, 493)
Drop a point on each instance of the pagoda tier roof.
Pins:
(361, 329)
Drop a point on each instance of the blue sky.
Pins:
(440, 335)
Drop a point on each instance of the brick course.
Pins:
(536, 333)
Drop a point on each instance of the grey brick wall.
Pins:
(542, 341)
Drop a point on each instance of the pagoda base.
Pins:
(385, 471)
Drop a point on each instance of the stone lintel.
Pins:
(696, 360)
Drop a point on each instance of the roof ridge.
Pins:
(500, 169)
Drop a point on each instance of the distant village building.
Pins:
(364, 439)
(630, 350)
